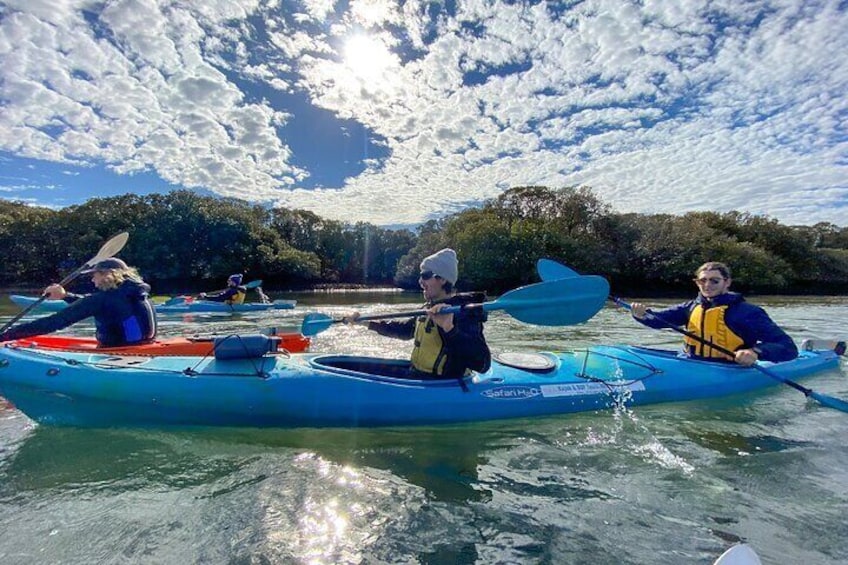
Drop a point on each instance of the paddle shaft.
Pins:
(718, 348)
(413, 313)
(249, 286)
(550, 303)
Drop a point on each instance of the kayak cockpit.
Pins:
(371, 368)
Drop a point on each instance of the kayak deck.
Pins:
(79, 388)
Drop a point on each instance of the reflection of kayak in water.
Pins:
(246, 384)
(740, 554)
(173, 306)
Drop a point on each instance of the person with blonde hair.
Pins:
(121, 307)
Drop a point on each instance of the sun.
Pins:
(367, 57)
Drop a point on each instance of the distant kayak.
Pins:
(179, 307)
(45, 306)
(188, 306)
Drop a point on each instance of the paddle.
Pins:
(552, 303)
(550, 270)
(823, 399)
(110, 248)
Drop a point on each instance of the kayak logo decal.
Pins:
(588, 388)
(511, 392)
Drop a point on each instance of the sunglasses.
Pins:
(711, 280)
(427, 275)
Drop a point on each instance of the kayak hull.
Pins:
(308, 390)
(195, 306)
(293, 342)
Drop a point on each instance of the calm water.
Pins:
(673, 484)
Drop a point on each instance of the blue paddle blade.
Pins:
(555, 303)
(550, 270)
(829, 401)
(315, 323)
(253, 284)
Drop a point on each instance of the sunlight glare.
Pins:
(367, 57)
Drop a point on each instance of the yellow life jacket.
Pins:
(428, 355)
(238, 297)
(710, 325)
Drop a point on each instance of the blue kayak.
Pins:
(182, 307)
(44, 306)
(209, 306)
(261, 389)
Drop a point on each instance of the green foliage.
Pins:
(190, 239)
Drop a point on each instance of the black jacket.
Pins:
(465, 344)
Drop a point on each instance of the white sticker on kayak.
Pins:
(584, 389)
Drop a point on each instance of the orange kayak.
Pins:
(169, 346)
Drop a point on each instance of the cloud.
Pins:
(660, 107)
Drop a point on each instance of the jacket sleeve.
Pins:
(75, 312)
(673, 316)
(765, 336)
(466, 342)
(399, 330)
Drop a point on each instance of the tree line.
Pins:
(183, 241)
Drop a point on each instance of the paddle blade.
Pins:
(110, 248)
(829, 401)
(253, 284)
(175, 301)
(550, 270)
(555, 303)
(315, 323)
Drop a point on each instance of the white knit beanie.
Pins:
(443, 263)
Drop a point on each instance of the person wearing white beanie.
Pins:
(443, 264)
(445, 345)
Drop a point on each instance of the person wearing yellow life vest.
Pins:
(722, 318)
(233, 294)
(445, 345)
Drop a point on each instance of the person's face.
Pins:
(98, 278)
(712, 283)
(432, 285)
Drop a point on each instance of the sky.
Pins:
(395, 113)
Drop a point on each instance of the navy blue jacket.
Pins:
(465, 344)
(122, 316)
(749, 322)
